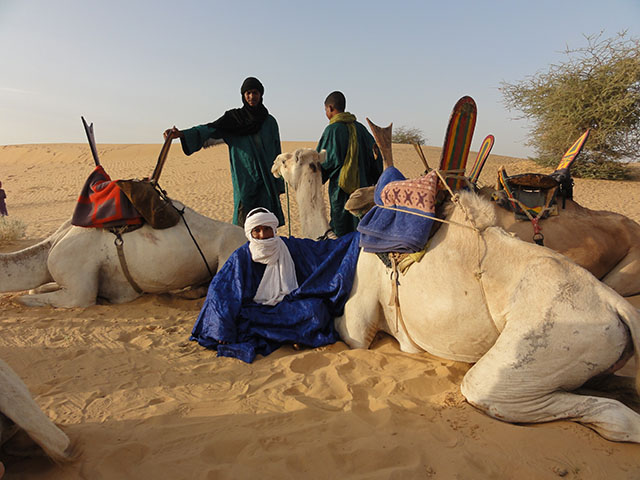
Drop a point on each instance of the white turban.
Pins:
(280, 275)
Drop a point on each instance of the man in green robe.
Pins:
(353, 160)
(254, 142)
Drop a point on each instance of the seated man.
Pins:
(274, 291)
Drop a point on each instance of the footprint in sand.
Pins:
(309, 362)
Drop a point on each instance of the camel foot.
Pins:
(57, 298)
(46, 288)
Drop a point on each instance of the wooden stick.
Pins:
(422, 157)
(155, 176)
(383, 139)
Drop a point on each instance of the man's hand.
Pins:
(172, 132)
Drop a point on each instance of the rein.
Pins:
(119, 242)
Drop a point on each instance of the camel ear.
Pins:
(278, 163)
(322, 156)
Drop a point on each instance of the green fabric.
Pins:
(251, 158)
(335, 140)
(349, 180)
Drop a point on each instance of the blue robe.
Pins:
(325, 271)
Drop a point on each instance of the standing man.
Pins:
(254, 142)
(3, 205)
(351, 161)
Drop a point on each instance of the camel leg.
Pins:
(66, 296)
(625, 277)
(360, 322)
(528, 378)
(77, 288)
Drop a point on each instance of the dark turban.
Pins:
(246, 120)
(251, 83)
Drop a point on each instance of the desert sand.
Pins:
(142, 401)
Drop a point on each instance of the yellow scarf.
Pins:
(349, 180)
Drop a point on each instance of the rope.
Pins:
(286, 189)
(181, 212)
(538, 237)
(394, 300)
(441, 220)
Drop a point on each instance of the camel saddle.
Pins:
(123, 204)
(533, 196)
(529, 195)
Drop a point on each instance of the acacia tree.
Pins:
(597, 87)
(408, 135)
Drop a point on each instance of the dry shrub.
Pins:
(11, 229)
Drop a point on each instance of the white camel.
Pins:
(605, 243)
(84, 263)
(307, 179)
(536, 325)
(20, 415)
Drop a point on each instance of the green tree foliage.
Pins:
(408, 135)
(597, 87)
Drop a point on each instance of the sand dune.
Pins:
(144, 402)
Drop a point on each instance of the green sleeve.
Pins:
(277, 148)
(194, 138)
(335, 141)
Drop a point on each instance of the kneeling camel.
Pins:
(84, 262)
(536, 325)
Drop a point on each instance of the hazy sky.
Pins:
(137, 67)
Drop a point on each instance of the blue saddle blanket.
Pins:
(401, 219)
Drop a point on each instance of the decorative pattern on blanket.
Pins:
(417, 193)
(400, 221)
(102, 204)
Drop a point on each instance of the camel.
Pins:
(24, 428)
(84, 264)
(605, 243)
(308, 191)
(535, 324)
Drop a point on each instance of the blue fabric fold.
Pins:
(325, 271)
(397, 229)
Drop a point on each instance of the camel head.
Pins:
(293, 166)
(302, 172)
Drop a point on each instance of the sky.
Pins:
(136, 67)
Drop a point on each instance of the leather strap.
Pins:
(123, 263)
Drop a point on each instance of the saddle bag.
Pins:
(154, 206)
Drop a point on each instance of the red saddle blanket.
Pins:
(102, 204)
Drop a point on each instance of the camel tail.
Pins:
(17, 404)
(26, 269)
